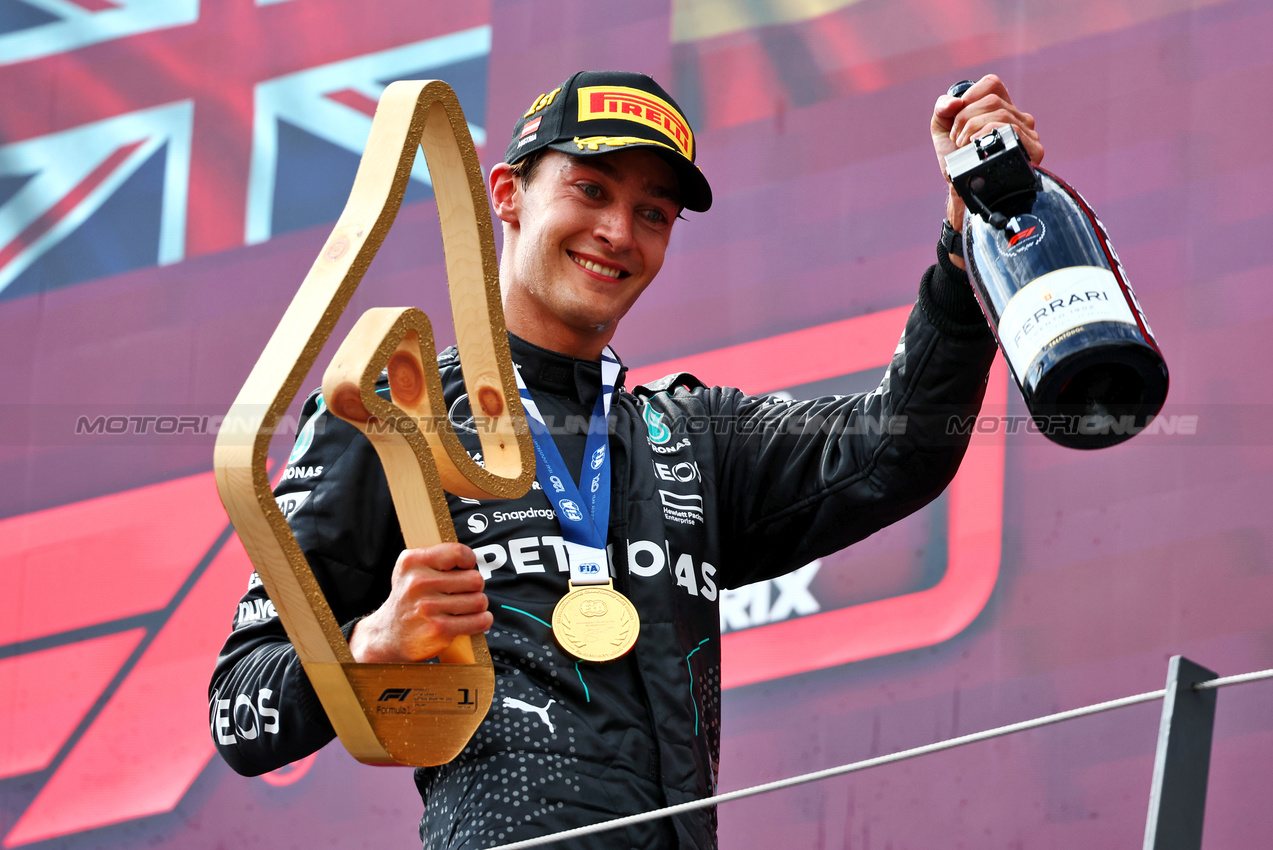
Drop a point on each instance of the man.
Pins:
(595, 175)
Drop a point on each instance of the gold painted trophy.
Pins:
(410, 714)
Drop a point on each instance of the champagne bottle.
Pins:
(1055, 294)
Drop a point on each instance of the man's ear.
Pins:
(505, 192)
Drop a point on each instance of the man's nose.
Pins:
(614, 226)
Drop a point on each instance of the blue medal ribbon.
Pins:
(584, 517)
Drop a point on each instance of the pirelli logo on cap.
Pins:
(628, 104)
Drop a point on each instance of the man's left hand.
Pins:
(958, 120)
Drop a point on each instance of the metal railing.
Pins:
(1177, 797)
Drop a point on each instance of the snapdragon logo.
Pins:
(523, 515)
(658, 432)
(477, 523)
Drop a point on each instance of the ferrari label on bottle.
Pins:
(1055, 303)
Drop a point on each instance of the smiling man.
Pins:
(598, 589)
(583, 245)
(588, 191)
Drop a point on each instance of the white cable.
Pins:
(1233, 680)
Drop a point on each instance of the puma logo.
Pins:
(509, 702)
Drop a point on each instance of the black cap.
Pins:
(600, 112)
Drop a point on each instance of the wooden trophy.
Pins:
(410, 714)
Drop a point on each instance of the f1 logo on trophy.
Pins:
(1056, 296)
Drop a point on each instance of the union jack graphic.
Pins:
(212, 125)
(67, 177)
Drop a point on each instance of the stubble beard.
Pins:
(567, 301)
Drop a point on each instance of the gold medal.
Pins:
(595, 622)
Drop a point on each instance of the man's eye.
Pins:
(590, 190)
(655, 216)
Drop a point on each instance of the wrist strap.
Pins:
(951, 239)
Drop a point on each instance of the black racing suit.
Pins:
(711, 489)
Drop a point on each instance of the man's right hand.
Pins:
(436, 596)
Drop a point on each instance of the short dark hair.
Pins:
(524, 169)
